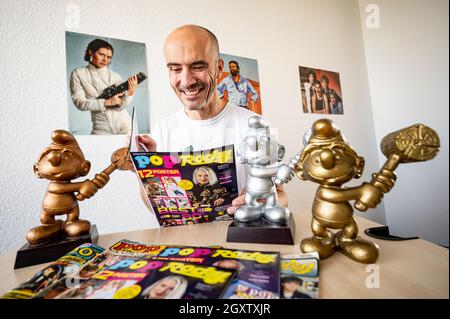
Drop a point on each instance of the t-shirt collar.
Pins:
(210, 121)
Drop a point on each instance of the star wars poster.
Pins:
(321, 91)
(106, 78)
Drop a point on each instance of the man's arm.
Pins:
(252, 90)
(221, 87)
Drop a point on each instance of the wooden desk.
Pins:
(407, 269)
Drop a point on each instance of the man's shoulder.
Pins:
(170, 119)
(242, 112)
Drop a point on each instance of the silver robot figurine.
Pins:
(263, 155)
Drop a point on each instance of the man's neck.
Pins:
(236, 77)
(208, 112)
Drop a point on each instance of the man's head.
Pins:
(311, 76)
(318, 88)
(291, 283)
(194, 65)
(325, 81)
(234, 67)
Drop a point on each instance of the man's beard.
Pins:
(234, 72)
(209, 87)
(201, 105)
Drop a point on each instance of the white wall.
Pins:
(407, 58)
(281, 35)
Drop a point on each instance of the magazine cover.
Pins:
(188, 187)
(258, 273)
(55, 272)
(123, 269)
(124, 277)
(300, 276)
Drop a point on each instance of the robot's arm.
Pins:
(286, 172)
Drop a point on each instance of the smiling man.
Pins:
(205, 121)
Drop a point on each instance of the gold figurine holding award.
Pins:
(329, 160)
(61, 162)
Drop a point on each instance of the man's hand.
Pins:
(282, 196)
(132, 85)
(147, 141)
(236, 203)
(240, 200)
(114, 101)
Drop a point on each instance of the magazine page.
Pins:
(56, 272)
(188, 187)
(258, 274)
(300, 276)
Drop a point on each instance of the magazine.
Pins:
(300, 276)
(120, 276)
(258, 273)
(188, 187)
(57, 271)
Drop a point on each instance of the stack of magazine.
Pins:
(135, 270)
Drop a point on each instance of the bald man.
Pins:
(205, 121)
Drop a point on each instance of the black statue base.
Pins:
(262, 231)
(30, 255)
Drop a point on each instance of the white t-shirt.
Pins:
(178, 133)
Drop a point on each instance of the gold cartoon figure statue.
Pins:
(329, 160)
(61, 162)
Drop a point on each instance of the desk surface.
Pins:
(407, 269)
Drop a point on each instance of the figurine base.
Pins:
(30, 255)
(262, 231)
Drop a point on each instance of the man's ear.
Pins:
(85, 167)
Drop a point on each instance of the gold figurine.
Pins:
(329, 160)
(61, 162)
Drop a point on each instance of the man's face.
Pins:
(324, 84)
(101, 58)
(318, 89)
(333, 99)
(234, 69)
(193, 68)
(291, 286)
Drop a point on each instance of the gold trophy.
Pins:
(60, 163)
(329, 160)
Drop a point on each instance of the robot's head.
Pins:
(259, 147)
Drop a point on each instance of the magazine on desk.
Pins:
(128, 271)
(186, 187)
(300, 276)
(258, 272)
(56, 273)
